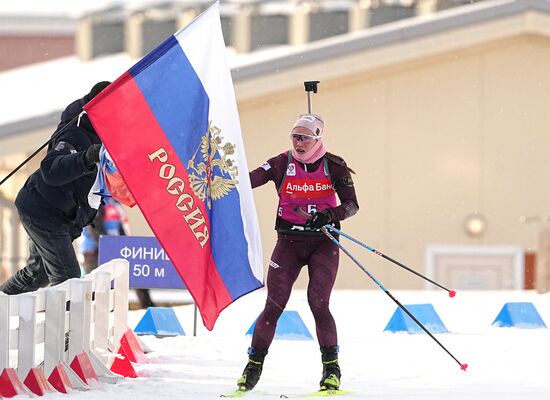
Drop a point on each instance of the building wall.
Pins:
(16, 51)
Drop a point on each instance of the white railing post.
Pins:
(121, 273)
(4, 331)
(54, 337)
(87, 315)
(76, 318)
(102, 281)
(27, 333)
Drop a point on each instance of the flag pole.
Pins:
(55, 134)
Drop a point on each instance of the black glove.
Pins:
(92, 154)
(319, 220)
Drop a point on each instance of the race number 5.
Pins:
(311, 208)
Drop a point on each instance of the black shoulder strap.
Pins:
(289, 159)
(338, 160)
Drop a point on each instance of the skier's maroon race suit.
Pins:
(309, 178)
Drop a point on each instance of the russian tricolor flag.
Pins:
(172, 128)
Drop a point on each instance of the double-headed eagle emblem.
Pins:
(215, 174)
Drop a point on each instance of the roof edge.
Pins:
(13, 128)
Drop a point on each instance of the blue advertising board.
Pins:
(150, 266)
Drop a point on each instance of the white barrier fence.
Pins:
(52, 325)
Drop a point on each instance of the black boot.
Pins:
(331, 370)
(253, 370)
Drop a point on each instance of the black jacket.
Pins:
(57, 193)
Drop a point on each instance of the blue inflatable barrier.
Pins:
(425, 313)
(519, 315)
(289, 327)
(159, 321)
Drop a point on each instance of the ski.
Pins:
(235, 394)
(319, 393)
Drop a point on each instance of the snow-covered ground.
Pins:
(504, 363)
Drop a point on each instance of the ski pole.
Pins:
(300, 211)
(55, 134)
(336, 242)
(452, 293)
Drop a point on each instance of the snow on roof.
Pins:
(45, 88)
(48, 87)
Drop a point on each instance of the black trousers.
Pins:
(52, 259)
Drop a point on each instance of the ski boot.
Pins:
(331, 370)
(253, 370)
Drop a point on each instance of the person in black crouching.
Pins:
(53, 204)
